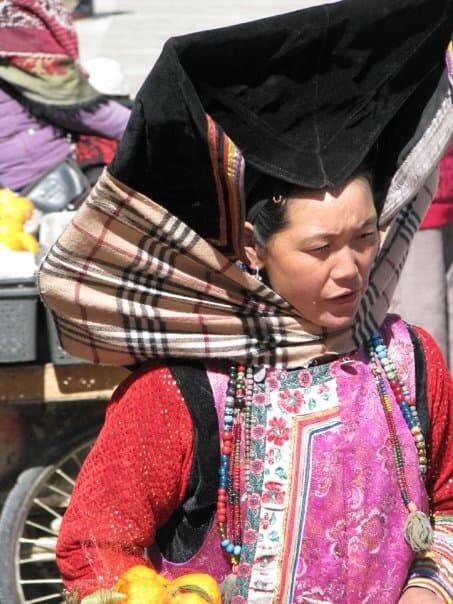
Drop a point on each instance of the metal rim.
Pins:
(37, 577)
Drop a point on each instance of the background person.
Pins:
(44, 94)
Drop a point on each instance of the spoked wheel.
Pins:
(29, 526)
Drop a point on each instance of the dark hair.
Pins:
(269, 216)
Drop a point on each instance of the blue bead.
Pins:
(230, 548)
(237, 550)
(225, 543)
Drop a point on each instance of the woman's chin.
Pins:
(336, 322)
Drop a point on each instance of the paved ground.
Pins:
(133, 31)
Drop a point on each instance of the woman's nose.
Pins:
(346, 267)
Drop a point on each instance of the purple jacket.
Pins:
(29, 147)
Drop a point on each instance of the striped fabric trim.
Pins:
(433, 585)
(434, 569)
(306, 429)
(228, 167)
(128, 281)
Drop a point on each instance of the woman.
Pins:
(329, 416)
(44, 95)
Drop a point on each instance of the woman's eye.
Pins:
(321, 248)
(368, 235)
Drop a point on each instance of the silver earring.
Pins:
(257, 274)
(241, 266)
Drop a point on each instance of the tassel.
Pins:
(227, 588)
(418, 530)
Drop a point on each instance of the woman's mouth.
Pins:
(346, 298)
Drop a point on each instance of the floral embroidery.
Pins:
(264, 524)
(258, 432)
(273, 383)
(259, 399)
(278, 431)
(273, 493)
(304, 378)
(257, 466)
(250, 536)
(322, 388)
(372, 531)
(244, 570)
(291, 401)
(270, 456)
(283, 396)
(254, 501)
(337, 534)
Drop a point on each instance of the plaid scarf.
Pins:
(128, 280)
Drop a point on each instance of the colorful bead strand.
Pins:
(236, 422)
(418, 531)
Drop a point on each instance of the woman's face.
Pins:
(320, 262)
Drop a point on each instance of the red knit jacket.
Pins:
(440, 212)
(137, 473)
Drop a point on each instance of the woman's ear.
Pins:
(253, 251)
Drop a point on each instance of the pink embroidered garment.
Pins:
(324, 515)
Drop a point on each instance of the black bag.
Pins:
(62, 187)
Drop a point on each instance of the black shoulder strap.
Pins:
(185, 532)
(421, 400)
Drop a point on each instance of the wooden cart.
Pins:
(49, 416)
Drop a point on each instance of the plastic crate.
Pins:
(18, 312)
(58, 354)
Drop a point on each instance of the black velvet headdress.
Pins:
(305, 96)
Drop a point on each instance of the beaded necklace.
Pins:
(418, 530)
(237, 426)
(236, 423)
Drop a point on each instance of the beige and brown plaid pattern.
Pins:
(127, 281)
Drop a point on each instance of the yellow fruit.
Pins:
(142, 585)
(29, 242)
(194, 588)
(6, 195)
(26, 205)
(14, 207)
(9, 236)
(10, 225)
